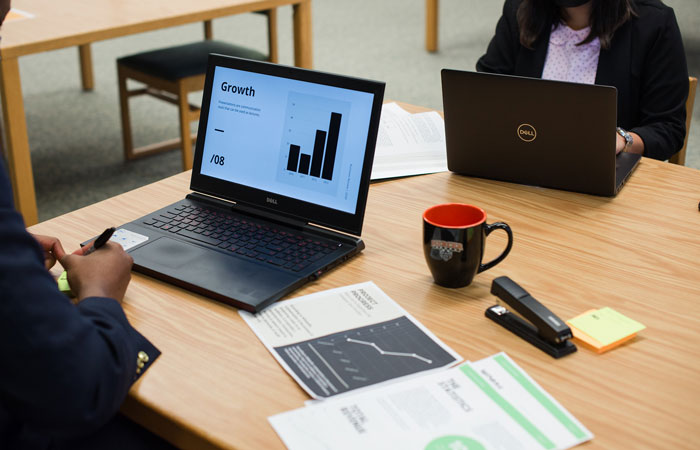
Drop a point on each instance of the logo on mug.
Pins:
(444, 249)
(527, 132)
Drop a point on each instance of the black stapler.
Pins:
(529, 319)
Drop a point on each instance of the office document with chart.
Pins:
(348, 338)
(490, 404)
(382, 380)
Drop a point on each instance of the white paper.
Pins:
(509, 380)
(128, 239)
(409, 144)
(451, 409)
(348, 338)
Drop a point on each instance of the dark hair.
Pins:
(536, 17)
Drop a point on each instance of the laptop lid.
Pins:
(531, 131)
(286, 141)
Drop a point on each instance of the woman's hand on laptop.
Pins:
(104, 273)
(619, 144)
(637, 145)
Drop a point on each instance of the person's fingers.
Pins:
(111, 246)
(45, 242)
(57, 250)
(103, 273)
(68, 261)
(49, 260)
(116, 247)
(52, 247)
(83, 249)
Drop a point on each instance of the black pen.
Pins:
(100, 241)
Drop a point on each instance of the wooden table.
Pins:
(59, 24)
(215, 384)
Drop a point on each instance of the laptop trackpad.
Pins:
(235, 278)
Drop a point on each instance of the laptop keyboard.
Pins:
(244, 237)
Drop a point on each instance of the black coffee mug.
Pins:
(454, 235)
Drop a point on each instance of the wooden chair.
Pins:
(679, 158)
(271, 33)
(170, 74)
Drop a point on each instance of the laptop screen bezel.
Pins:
(288, 207)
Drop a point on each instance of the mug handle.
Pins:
(487, 230)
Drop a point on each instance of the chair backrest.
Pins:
(679, 158)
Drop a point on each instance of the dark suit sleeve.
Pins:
(65, 369)
(501, 54)
(663, 90)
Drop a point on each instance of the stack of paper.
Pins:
(409, 144)
(382, 381)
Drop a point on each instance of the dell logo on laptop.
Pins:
(272, 200)
(527, 132)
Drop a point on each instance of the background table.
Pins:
(67, 23)
(216, 384)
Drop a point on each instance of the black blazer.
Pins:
(645, 62)
(65, 369)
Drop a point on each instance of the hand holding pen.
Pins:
(104, 274)
(100, 241)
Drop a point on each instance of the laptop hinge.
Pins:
(278, 218)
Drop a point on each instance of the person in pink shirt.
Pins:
(634, 45)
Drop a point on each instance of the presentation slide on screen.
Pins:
(298, 139)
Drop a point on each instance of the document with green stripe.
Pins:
(490, 404)
(531, 406)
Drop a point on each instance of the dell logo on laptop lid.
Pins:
(527, 132)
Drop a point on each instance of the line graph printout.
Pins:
(356, 358)
(348, 338)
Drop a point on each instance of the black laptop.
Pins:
(281, 173)
(531, 131)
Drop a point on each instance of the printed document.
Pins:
(344, 339)
(409, 144)
(491, 404)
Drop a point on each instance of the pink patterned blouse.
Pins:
(567, 61)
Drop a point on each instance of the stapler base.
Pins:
(519, 327)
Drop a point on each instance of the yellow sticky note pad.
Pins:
(63, 285)
(604, 328)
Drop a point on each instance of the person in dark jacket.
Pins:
(633, 45)
(66, 368)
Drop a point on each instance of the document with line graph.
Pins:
(349, 338)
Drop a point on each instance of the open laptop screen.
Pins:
(297, 142)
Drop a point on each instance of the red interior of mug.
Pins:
(454, 215)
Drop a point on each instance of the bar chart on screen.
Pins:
(311, 151)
